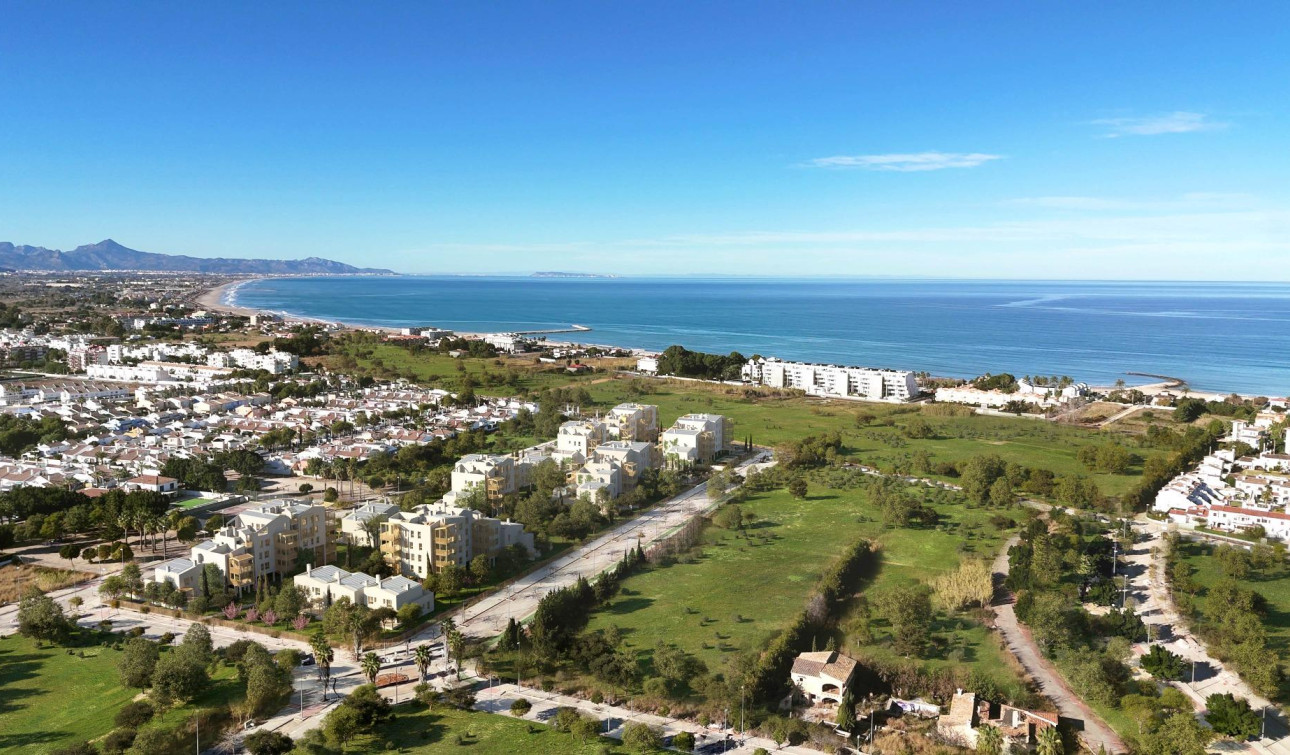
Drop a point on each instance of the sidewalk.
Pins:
(498, 698)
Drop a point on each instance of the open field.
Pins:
(769, 420)
(421, 732)
(18, 577)
(52, 698)
(442, 371)
(1272, 583)
(739, 591)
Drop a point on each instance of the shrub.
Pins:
(134, 714)
(521, 707)
(118, 741)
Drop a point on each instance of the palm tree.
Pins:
(989, 740)
(323, 656)
(423, 657)
(449, 628)
(371, 667)
(1049, 741)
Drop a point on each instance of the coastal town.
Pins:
(210, 469)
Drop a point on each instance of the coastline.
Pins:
(223, 298)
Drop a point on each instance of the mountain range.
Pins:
(109, 255)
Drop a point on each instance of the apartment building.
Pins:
(632, 457)
(577, 440)
(354, 525)
(494, 473)
(694, 439)
(326, 584)
(267, 540)
(423, 541)
(832, 381)
(633, 422)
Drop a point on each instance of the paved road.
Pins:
(1017, 639)
(1145, 566)
(498, 698)
(488, 618)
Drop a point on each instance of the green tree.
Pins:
(266, 742)
(41, 618)
(1178, 734)
(683, 741)
(989, 740)
(371, 667)
(641, 737)
(178, 676)
(342, 725)
(423, 656)
(1162, 664)
(1233, 716)
(797, 487)
(1049, 741)
(138, 661)
(908, 608)
(846, 718)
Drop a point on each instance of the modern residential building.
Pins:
(183, 573)
(577, 440)
(832, 381)
(268, 540)
(632, 422)
(423, 541)
(494, 473)
(326, 584)
(647, 365)
(694, 439)
(354, 526)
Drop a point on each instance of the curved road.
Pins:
(1017, 639)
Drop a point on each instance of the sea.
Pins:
(1216, 336)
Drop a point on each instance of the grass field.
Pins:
(50, 698)
(1032, 443)
(421, 732)
(739, 592)
(443, 371)
(1272, 583)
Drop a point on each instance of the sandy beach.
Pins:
(213, 299)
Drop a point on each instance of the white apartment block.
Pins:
(326, 584)
(354, 525)
(274, 362)
(494, 473)
(833, 381)
(266, 540)
(694, 439)
(577, 440)
(423, 541)
(632, 422)
(648, 365)
(156, 372)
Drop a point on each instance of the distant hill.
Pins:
(561, 274)
(109, 255)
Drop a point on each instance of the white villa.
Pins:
(326, 584)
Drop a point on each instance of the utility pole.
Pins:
(741, 711)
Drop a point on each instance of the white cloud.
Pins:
(1178, 122)
(1192, 202)
(906, 163)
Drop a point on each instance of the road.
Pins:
(488, 618)
(1144, 564)
(1017, 639)
(498, 698)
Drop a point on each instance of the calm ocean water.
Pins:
(1217, 336)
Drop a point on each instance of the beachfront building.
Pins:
(274, 362)
(694, 439)
(831, 380)
(1224, 493)
(358, 526)
(647, 365)
(267, 540)
(1026, 392)
(423, 541)
(325, 585)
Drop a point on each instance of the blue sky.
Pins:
(1089, 140)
